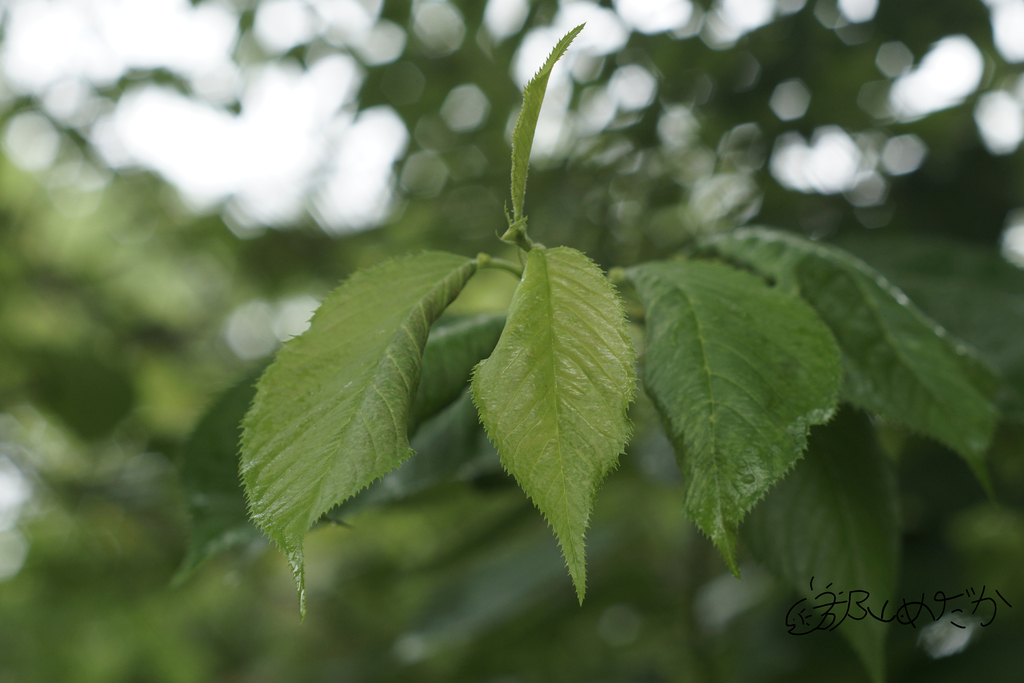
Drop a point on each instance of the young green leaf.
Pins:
(834, 518)
(331, 413)
(739, 371)
(897, 362)
(209, 477)
(553, 395)
(526, 124)
(453, 350)
(449, 442)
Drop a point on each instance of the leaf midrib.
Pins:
(554, 381)
(706, 367)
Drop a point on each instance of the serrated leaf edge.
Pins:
(579, 584)
(295, 556)
(840, 259)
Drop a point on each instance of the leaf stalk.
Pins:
(488, 261)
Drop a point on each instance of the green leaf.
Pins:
(970, 290)
(450, 446)
(526, 124)
(453, 350)
(553, 395)
(209, 477)
(331, 413)
(896, 361)
(739, 371)
(834, 518)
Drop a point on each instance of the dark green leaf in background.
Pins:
(331, 413)
(897, 362)
(970, 290)
(449, 446)
(553, 395)
(453, 350)
(211, 483)
(835, 518)
(739, 371)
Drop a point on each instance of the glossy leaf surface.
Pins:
(553, 395)
(738, 371)
(331, 413)
(896, 361)
(834, 518)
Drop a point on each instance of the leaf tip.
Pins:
(724, 539)
(578, 574)
(297, 564)
(728, 552)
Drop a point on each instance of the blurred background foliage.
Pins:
(181, 183)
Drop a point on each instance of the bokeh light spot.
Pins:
(790, 99)
(383, 44)
(440, 27)
(828, 165)
(894, 58)
(655, 16)
(15, 491)
(903, 154)
(1008, 28)
(949, 72)
(632, 87)
(505, 18)
(465, 108)
(358, 191)
(1000, 120)
(1012, 243)
(31, 141)
(424, 174)
(280, 25)
(858, 11)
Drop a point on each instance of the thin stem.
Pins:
(488, 261)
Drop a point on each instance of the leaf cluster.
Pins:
(749, 340)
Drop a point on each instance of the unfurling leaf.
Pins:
(553, 395)
(896, 361)
(526, 124)
(739, 371)
(331, 413)
(834, 518)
